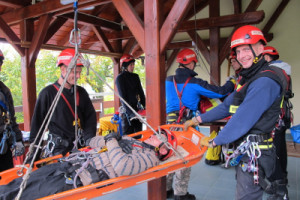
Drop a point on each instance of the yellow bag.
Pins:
(106, 126)
(213, 155)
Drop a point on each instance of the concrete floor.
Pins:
(212, 183)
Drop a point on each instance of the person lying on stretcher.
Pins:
(110, 156)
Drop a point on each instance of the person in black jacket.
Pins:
(62, 137)
(130, 89)
(271, 55)
(10, 134)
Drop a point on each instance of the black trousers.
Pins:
(47, 180)
(281, 151)
(6, 161)
(134, 126)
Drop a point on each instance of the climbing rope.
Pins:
(197, 50)
(136, 114)
(75, 40)
(75, 34)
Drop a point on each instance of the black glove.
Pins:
(111, 136)
(19, 149)
(102, 175)
(126, 146)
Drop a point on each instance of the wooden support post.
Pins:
(155, 90)
(28, 75)
(214, 11)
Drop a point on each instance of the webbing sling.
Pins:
(67, 102)
(179, 94)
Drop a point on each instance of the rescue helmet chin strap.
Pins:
(256, 58)
(183, 65)
(64, 78)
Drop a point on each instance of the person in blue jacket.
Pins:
(255, 108)
(183, 94)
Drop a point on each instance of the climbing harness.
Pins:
(251, 147)
(183, 111)
(8, 137)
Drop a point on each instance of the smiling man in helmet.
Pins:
(183, 94)
(10, 134)
(255, 109)
(130, 89)
(61, 128)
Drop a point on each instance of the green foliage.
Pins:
(11, 75)
(104, 68)
(47, 73)
(46, 70)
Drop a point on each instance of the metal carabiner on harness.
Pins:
(50, 145)
(253, 147)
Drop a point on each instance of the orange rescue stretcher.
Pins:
(188, 142)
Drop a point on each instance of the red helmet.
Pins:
(232, 55)
(172, 140)
(271, 51)
(66, 56)
(126, 58)
(1, 54)
(186, 56)
(247, 35)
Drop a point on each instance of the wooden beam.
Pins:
(175, 17)
(237, 6)
(93, 20)
(223, 21)
(214, 37)
(180, 44)
(28, 75)
(155, 82)
(60, 48)
(275, 16)
(253, 5)
(132, 20)
(101, 36)
(10, 36)
(39, 9)
(137, 51)
(116, 35)
(38, 38)
(203, 24)
(129, 45)
(54, 27)
(199, 4)
(200, 45)
(12, 3)
(171, 59)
